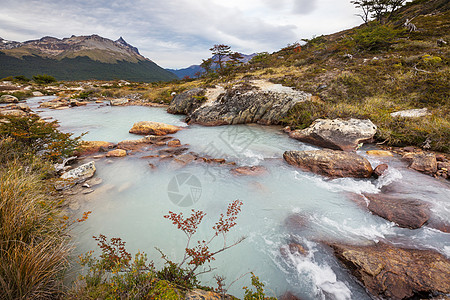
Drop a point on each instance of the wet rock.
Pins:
(297, 248)
(184, 159)
(336, 134)
(443, 165)
(174, 143)
(90, 147)
(152, 166)
(396, 273)
(87, 191)
(142, 142)
(173, 151)
(83, 172)
(8, 99)
(153, 128)
(380, 170)
(422, 162)
(116, 153)
(74, 176)
(37, 94)
(197, 294)
(119, 101)
(296, 222)
(250, 102)
(94, 181)
(408, 213)
(288, 296)
(250, 171)
(330, 163)
(379, 153)
(54, 104)
(411, 113)
(187, 102)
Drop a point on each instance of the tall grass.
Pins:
(33, 245)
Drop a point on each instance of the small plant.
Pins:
(259, 293)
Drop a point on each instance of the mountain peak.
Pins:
(122, 42)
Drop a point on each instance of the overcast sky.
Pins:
(178, 33)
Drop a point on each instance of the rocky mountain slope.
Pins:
(78, 58)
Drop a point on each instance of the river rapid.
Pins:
(284, 206)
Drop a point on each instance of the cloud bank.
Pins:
(178, 33)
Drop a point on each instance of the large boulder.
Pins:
(396, 273)
(187, 102)
(153, 128)
(422, 162)
(8, 99)
(337, 134)
(250, 102)
(13, 112)
(408, 213)
(331, 163)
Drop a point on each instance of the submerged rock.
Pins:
(408, 213)
(330, 163)
(153, 128)
(174, 143)
(250, 102)
(337, 134)
(396, 273)
(147, 140)
(250, 171)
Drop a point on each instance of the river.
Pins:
(133, 198)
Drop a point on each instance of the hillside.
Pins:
(79, 58)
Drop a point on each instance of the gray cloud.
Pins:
(173, 33)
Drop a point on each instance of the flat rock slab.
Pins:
(90, 147)
(330, 163)
(411, 113)
(117, 153)
(153, 128)
(396, 273)
(408, 213)
(336, 134)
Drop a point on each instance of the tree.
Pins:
(377, 9)
(207, 65)
(219, 53)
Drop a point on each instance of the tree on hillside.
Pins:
(207, 65)
(219, 53)
(377, 9)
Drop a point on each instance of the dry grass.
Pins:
(33, 247)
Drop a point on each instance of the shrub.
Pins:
(44, 79)
(373, 38)
(35, 136)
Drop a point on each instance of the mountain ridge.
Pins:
(108, 59)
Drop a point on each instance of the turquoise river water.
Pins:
(132, 199)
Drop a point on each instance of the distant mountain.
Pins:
(194, 69)
(79, 58)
